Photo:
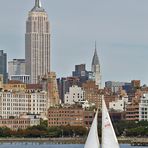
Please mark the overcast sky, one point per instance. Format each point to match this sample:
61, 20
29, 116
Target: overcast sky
120, 28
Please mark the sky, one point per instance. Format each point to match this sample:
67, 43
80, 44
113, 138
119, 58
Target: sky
120, 28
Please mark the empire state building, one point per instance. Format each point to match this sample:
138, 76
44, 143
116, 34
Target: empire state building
37, 43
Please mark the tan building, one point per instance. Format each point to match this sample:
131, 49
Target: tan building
132, 110
31, 88
136, 83
53, 94
37, 43
91, 93
1, 81
19, 123
14, 85
69, 116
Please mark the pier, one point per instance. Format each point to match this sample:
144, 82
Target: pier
73, 140
140, 142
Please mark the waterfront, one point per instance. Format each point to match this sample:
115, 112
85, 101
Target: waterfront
47, 145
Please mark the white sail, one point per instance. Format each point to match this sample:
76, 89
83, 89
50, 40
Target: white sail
92, 139
109, 139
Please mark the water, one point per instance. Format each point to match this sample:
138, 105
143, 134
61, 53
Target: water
47, 145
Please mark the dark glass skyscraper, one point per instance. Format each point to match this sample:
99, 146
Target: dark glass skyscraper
3, 65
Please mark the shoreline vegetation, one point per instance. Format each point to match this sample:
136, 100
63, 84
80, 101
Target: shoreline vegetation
68, 140
126, 131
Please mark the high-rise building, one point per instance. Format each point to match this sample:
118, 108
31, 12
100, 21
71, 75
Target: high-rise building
91, 93
53, 94
37, 43
81, 73
16, 67
3, 65
114, 86
95, 68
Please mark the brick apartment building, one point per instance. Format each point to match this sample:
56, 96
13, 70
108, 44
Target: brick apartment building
69, 116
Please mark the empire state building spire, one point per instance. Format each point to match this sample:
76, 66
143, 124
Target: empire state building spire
38, 6
38, 3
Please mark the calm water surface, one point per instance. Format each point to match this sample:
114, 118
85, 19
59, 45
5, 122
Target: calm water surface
46, 145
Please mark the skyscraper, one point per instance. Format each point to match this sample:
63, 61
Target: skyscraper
37, 43
81, 73
16, 67
95, 68
3, 66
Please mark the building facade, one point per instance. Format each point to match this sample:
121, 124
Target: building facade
65, 83
75, 94
22, 78
16, 103
19, 123
119, 104
3, 66
136, 83
114, 86
143, 108
69, 116
1, 81
81, 73
132, 110
16, 67
91, 93
53, 93
14, 86
37, 43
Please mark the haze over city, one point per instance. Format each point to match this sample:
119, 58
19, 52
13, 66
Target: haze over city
74, 72
119, 27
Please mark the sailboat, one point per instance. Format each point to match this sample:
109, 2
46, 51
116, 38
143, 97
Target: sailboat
109, 139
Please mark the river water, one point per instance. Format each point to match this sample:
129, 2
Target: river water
47, 145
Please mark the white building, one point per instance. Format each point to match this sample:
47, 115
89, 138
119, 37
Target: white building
15, 104
75, 94
23, 78
143, 108
16, 67
119, 104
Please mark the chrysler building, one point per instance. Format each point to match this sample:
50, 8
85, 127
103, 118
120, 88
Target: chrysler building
95, 68
37, 43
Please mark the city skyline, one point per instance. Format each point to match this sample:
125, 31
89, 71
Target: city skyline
120, 29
